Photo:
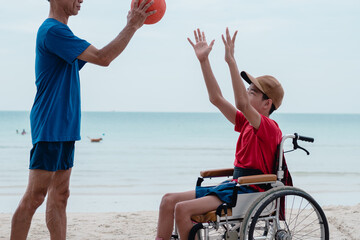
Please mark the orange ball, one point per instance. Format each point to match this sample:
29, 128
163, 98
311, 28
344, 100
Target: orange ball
159, 6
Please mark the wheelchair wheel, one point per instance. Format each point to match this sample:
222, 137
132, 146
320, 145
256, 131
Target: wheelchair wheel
195, 232
285, 213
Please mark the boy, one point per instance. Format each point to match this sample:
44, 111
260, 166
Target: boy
256, 147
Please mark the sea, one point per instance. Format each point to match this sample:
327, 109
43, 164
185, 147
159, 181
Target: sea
144, 155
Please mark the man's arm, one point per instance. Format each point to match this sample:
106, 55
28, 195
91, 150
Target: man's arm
242, 101
135, 19
202, 51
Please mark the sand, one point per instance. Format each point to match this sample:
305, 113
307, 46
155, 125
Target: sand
344, 223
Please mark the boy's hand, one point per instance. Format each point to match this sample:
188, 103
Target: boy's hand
202, 49
229, 46
137, 15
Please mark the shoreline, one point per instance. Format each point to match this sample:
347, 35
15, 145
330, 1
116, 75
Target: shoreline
343, 224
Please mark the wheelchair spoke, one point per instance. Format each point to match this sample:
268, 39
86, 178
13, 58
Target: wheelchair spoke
303, 223
298, 214
306, 236
309, 224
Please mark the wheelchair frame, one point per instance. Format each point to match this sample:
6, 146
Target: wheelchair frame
281, 213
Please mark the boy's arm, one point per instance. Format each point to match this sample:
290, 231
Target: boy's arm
242, 101
202, 51
135, 19
215, 95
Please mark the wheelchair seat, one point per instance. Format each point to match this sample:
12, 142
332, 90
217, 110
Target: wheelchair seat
209, 216
243, 200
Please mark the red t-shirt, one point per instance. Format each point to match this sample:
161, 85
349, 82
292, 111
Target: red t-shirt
256, 149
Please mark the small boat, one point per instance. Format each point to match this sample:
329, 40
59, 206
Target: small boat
95, 139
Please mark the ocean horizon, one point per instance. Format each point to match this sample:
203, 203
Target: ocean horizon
143, 155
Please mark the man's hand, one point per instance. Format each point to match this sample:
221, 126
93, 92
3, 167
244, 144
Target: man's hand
202, 49
229, 46
137, 15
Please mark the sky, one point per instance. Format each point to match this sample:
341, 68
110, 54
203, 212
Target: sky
311, 46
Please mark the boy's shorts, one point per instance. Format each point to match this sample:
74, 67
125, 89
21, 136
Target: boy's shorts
223, 191
52, 156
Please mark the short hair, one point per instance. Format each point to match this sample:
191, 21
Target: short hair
272, 109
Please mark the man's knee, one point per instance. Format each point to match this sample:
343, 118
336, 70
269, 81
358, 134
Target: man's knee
58, 197
31, 201
64, 196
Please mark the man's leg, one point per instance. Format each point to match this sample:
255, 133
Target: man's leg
58, 195
184, 211
39, 181
166, 212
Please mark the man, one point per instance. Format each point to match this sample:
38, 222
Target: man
55, 115
256, 147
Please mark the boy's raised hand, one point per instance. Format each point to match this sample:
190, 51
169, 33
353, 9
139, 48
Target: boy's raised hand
202, 49
229, 45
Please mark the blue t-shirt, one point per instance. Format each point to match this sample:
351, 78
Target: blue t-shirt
55, 115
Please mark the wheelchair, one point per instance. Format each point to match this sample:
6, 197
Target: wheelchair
280, 213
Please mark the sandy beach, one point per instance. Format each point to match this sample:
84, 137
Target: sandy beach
343, 221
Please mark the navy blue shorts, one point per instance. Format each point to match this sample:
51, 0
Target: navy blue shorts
223, 191
52, 156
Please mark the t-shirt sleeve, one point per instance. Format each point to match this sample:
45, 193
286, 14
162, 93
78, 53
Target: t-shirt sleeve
268, 129
81, 64
61, 41
239, 121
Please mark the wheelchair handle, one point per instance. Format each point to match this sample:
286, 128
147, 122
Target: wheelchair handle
303, 138
295, 137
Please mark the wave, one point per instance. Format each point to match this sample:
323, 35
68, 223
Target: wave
14, 147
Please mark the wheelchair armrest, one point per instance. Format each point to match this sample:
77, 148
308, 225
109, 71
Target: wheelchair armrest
257, 179
225, 172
